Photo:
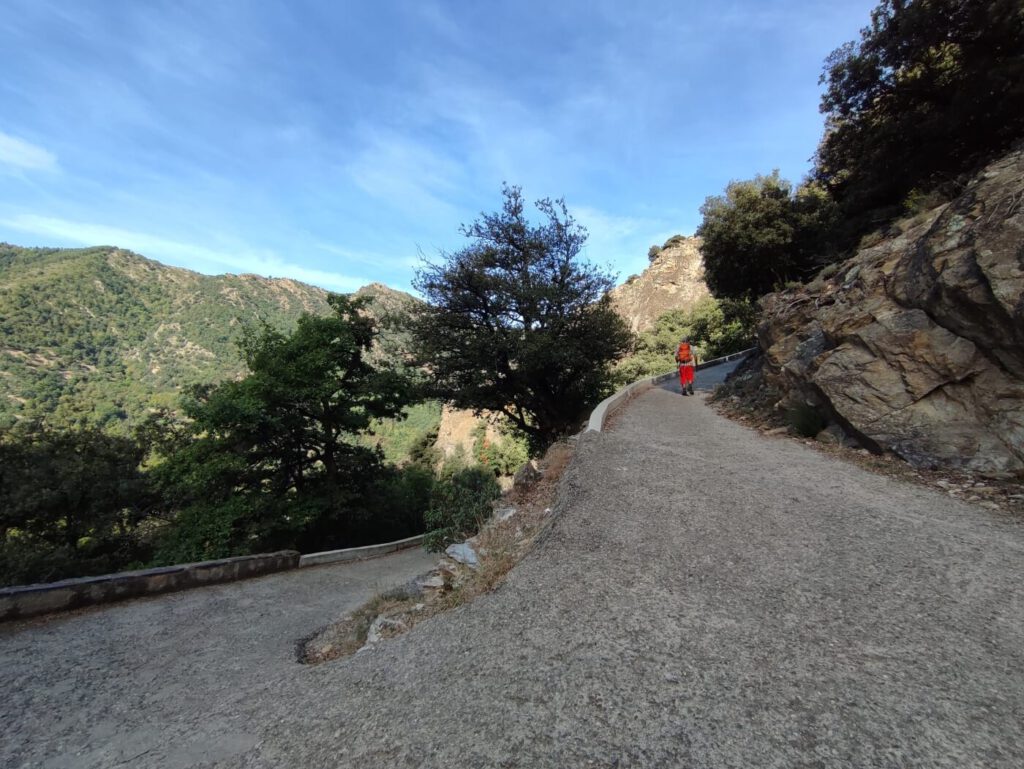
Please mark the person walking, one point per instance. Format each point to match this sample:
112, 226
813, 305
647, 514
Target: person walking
687, 361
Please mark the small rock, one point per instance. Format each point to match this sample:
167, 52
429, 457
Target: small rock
382, 623
463, 552
527, 475
777, 431
504, 513
434, 582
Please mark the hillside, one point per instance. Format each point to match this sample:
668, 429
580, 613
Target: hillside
915, 344
100, 335
673, 281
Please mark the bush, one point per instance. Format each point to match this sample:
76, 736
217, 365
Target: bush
806, 420
653, 251
459, 505
502, 456
674, 241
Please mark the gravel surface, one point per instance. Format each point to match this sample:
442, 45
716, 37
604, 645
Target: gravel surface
706, 597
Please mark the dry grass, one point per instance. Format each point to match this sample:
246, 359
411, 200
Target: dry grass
500, 545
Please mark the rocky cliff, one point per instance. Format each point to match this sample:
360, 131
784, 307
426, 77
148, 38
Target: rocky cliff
674, 280
915, 345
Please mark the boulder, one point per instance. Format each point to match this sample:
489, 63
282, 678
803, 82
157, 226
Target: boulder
463, 553
916, 345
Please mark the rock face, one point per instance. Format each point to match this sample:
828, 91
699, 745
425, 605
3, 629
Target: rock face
674, 280
916, 344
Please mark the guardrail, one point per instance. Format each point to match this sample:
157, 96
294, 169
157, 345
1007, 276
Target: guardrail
600, 414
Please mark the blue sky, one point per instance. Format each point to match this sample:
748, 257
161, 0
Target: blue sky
334, 142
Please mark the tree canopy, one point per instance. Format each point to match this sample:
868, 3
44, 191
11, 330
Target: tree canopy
517, 323
274, 457
760, 234
931, 88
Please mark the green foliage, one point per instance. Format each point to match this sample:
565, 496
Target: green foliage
762, 233
931, 89
517, 324
502, 456
459, 505
653, 251
70, 504
715, 328
673, 241
805, 420
99, 336
408, 437
274, 460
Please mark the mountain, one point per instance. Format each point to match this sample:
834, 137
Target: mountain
673, 281
102, 335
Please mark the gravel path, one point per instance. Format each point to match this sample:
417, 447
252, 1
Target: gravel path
706, 597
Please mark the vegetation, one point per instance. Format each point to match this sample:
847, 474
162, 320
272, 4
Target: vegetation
931, 89
517, 324
71, 503
459, 504
271, 461
715, 328
762, 233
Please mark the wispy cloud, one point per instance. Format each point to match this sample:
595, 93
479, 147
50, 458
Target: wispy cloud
406, 174
25, 155
187, 254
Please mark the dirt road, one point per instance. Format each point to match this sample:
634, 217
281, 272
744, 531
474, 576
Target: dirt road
707, 597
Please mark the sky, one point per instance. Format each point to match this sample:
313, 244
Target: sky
340, 142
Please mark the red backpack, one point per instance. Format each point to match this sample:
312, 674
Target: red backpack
684, 354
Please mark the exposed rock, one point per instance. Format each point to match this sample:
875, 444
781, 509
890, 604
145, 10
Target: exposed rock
504, 513
464, 553
673, 281
381, 625
527, 475
917, 344
433, 582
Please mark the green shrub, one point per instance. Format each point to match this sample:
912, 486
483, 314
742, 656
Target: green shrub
459, 505
806, 420
674, 240
653, 252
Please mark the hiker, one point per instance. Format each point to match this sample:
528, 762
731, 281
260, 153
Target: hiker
687, 365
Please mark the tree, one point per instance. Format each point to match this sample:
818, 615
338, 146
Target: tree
274, 461
517, 323
932, 88
70, 504
761, 234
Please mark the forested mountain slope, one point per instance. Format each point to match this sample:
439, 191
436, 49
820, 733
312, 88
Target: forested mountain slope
101, 335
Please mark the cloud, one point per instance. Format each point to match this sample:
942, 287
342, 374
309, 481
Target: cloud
22, 154
406, 174
243, 260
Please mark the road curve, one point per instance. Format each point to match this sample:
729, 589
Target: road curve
706, 597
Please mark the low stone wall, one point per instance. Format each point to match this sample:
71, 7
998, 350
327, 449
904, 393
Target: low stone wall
359, 553
30, 600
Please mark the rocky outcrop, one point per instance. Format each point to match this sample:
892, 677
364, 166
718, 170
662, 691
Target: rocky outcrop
673, 281
915, 345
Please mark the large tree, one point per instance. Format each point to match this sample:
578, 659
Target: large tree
70, 504
761, 234
931, 88
274, 459
516, 322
